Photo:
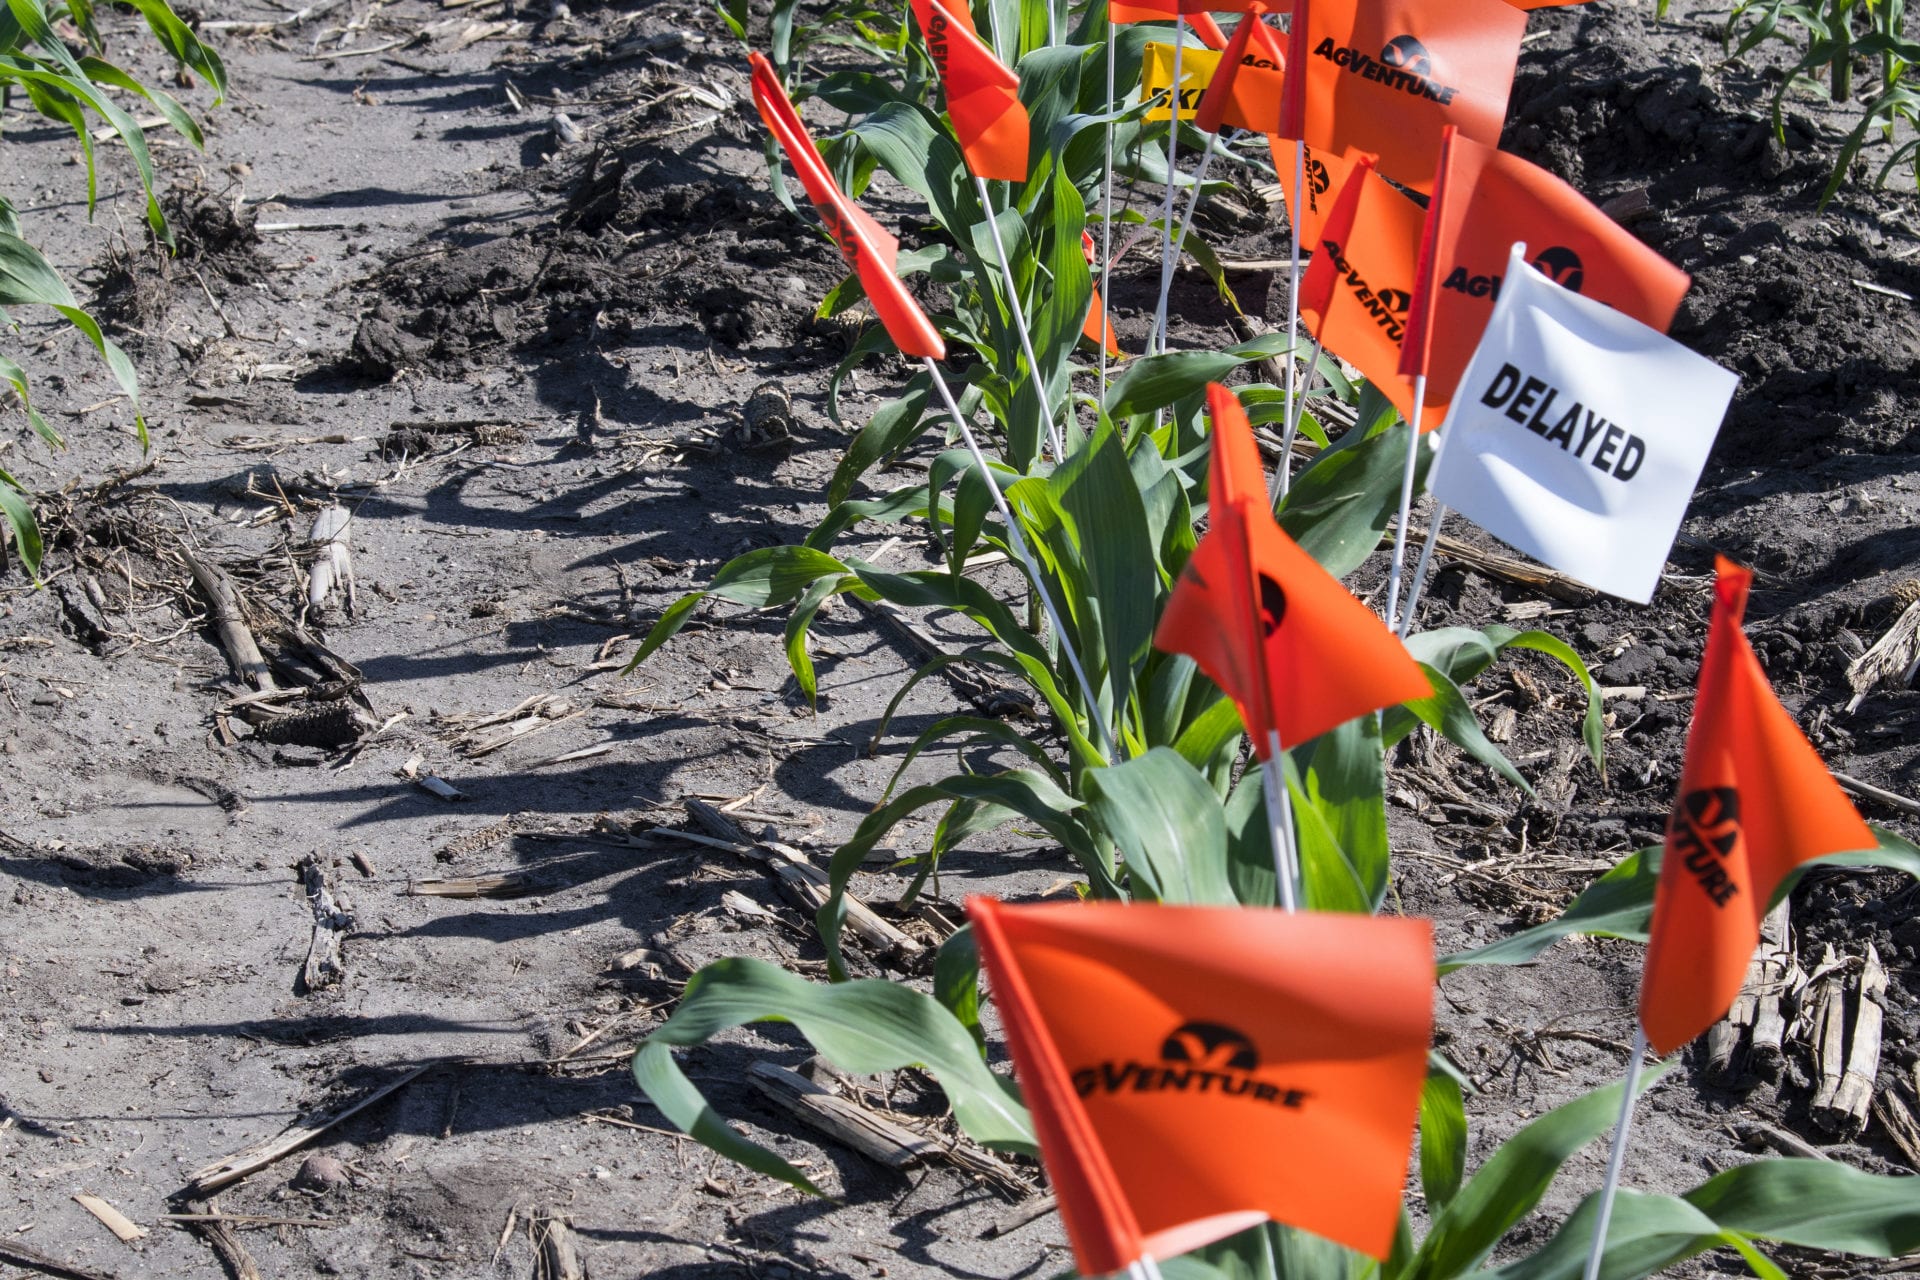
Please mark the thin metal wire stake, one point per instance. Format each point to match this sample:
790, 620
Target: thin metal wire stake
1420, 569
1273, 780
1180, 239
1617, 1158
1173, 173
1406, 504
1106, 221
1020, 322
1284, 476
1026, 558
1293, 305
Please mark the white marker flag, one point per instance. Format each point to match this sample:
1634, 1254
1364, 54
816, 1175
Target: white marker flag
1578, 434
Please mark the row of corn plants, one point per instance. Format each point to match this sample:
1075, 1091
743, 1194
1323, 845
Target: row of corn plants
53, 57
1159, 809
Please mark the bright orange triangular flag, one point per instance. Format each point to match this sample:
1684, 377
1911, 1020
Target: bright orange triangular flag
870, 252
1326, 176
1245, 91
1754, 803
1483, 201
983, 95
1098, 328
1386, 75
1194, 1070
1280, 636
1355, 296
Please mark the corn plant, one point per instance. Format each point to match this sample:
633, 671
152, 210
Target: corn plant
66, 88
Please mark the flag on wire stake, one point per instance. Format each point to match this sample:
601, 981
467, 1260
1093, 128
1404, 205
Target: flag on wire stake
1578, 434
1193, 1071
1755, 803
1483, 201
871, 252
1280, 636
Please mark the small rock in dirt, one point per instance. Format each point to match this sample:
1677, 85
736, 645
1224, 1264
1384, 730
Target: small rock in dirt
321, 1173
381, 350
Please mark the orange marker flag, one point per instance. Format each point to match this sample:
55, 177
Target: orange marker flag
1326, 177
869, 251
983, 95
1194, 1070
1098, 329
1290, 645
1386, 75
1755, 802
1483, 201
1356, 295
1246, 87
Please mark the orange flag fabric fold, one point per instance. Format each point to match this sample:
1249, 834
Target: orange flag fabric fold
1280, 636
1193, 1070
1326, 177
870, 251
1483, 201
1754, 803
1245, 91
1098, 329
1385, 76
1357, 294
983, 95
1195, 11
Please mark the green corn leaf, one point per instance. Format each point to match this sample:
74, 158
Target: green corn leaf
1507, 1187
1338, 508
977, 730
166, 104
1105, 519
1463, 653
17, 512
1167, 821
27, 277
1815, 1204
186, 47
799, 659
760, 578
1447, 712
1443, 1139
893, 426
1648, 1233
1342, 781
1620, 903
861, 1027
956, 981
1154, 382
1023, 793
16, 377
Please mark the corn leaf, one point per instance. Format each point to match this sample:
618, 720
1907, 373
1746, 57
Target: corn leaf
1167, 822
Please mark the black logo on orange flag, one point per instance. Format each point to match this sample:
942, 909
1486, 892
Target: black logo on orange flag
1404, 53
1273, 606
1562, 266
1196, 1057
1703, 831
1209, 1044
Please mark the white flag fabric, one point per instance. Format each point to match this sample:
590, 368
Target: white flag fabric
1578, 434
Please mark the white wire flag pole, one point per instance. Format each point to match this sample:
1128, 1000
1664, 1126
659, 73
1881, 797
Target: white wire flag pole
1273, 781
1026, 558
1020, 321
1617, 1158
1180, 239
1285, 475
1406, 505
1426, 558
1106, 216
1173, 174
1282, 478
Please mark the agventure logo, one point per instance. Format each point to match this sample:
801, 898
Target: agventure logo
1196, 1057
1318, 180
1273, 611
937, 41
1403, 64
1704, 828
1388, 307
1558, 264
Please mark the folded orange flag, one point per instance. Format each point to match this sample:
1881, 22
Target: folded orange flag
1326, 176
1246, 86
869, 251
1194, 1070
1755, 802
1386, 75
1098, 328
1483, 201
983, 96
1280, 636
1355, 297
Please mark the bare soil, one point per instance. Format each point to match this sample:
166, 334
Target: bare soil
521, 359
